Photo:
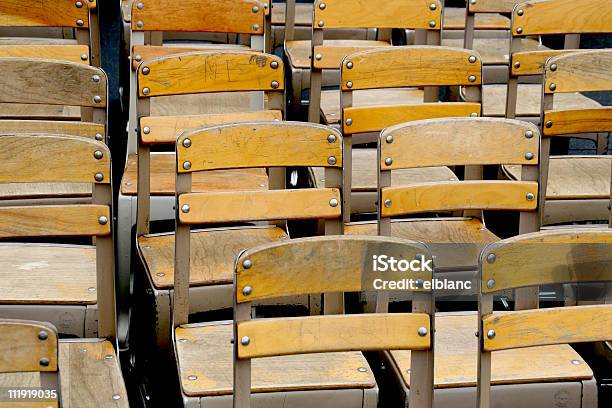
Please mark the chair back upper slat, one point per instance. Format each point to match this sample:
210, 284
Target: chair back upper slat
44, 13
27, 346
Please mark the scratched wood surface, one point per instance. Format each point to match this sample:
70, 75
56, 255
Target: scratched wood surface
43, 13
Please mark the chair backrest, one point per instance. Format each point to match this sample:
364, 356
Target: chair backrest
199, 72
544, 17
423, 16
402, 67
252, 145
40, 158
333, 264
547, 257
581, 71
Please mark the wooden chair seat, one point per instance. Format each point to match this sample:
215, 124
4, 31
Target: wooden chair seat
454, 242
204, 354
494, 51
330, 100
454, 19
528, 100
216, 251
163, 177
298, 52
47, 274
90, 376
303, 14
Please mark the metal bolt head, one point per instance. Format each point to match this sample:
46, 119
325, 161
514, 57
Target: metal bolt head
491, 334
549, 124
83, 57
247, 263
529, 134
146, 70
140, 6
331, 138
349, 121
349, 65
97, 99
318, 57
187, 165
491, 283
321, 23
333, 202
387, 203
78, 4
245, 340
274, 64
552, 86
362, 370
529, 156
422, 331
108, 357
419, 283
92, 289
255, 9
474, 114
331, 160
576, 362
187, 143
530, 196
146, 91
553, 67
274, 84
116, 397
185, 208
322, 6
146, 130
99, 177
44, 362
139, 24
43, 335
349, 84
389, 139
160, 274
433, 6
472, 59
388, 161
473, 1
472, 78
98, 137
95, 78
98, 154
138, 57
103, 220
517, 64
432, 24
247, 290
80, 22
255, 27
192, 377
520, 12
491, 258
519, 30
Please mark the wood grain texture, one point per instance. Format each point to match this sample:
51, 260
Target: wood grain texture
492, 6
148, 52
571, 255
375, 118
69, 53
204, 103
298, 204
209, 15
67, 270
44, 190
49, 158
259, 144
551, 17
540, 327
456, 350
396, 67
414, 14
212, 343
36, 81
332, 52
495, 51
53, 220
43, 13
454, 19
459, 141
580, 72
532, 62
463, 195
303, 14
569, 122
166, 129
323, 334
209, 71
318, 265
67, 128
21, 349
39, 112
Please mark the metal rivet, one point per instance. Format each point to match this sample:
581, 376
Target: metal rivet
322, 6
349, 84
185, 208
99, 177
549, 124
182, 340
519, 30
333, 202
331, 160
474, 114
473, 1
83, 57
389, 139
491, 334
530, 196
98, 154
552, 87
318, 57
255, 9
146, 70
491, 283
422, 331
471, 78
103, 220
388, 161
146, 130
92, 289
349, 65
78, 4
247, 290
529, 156
138, 58
140, 6
529, 134
349, 121
98, 136
187, 165
387, 203
274, 64
553, 67
43, 335
433, 6
576, 362
517, 65
432, 24
419, 283
80, 23
274, 84
97, 99
362, 370
95, 78
331, 138
160, 274
192, 377
255, 27
116, 397
245, 340
520, 12
108, 357
44, 362
491, 258
187, 143
247, 263
321, 23
139, 24
472, 59
146, 91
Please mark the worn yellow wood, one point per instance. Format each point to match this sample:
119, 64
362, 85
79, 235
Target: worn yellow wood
540, 327
69, 271
50, 158
68, 128
70, 53
410, 66
212, 343
323, 334
44, 190
165, 129
415, 14
303, 14
569, 122
332, 52
580, 72
39, 112
459, 141
209, 71
53, 220
209, 15
532, 62
456, 358
464, 195
454, 19
21, 349
556, 256
492, 6
260, 144
319, 265
43, 13
52, 82
375, 118
295, 204
147, 52
495, 51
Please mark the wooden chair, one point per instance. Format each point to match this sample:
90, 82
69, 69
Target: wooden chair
265, 348
577, 187
548, 257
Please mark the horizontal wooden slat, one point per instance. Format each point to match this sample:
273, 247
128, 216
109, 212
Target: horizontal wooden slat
551, 17
22, 346
491, 6
259, 205
51, 82
415, 14
260, 144
69, 53
323, 334
47, 158
68, 128
580, 72
321, 265
43, 13
332, 55
239, 16
462, 195
395, 67
532, 62
147, 52
459, 141
454, 19
209, 71
557, 256
165, 129
569, 122
540, 327
54, 221
376, 118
